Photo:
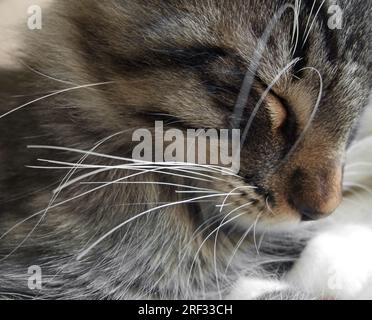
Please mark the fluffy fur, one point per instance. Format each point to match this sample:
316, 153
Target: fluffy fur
109, 68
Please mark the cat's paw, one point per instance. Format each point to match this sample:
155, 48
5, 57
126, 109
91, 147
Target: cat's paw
336, 264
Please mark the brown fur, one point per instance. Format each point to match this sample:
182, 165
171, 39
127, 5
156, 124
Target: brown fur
182, 62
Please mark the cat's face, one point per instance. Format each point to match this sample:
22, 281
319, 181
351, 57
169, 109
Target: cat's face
188, 61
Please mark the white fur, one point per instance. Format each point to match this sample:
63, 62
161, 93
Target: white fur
337, 264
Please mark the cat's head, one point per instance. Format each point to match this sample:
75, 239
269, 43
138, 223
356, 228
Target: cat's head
186, 61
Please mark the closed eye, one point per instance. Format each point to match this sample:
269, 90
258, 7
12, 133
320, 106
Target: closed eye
283, 119
277, 110
194, 56
275, 106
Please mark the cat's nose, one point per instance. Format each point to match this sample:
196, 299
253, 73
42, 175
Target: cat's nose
307, 212
316, 195
313, 208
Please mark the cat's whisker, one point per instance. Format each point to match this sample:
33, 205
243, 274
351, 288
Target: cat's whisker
145, 169
152, 203
192, 191
46, 76
151, 170
215, 168
20, 223
240, 242
214, 231
219, 206
55, 195
215, 244
202, 228
231, 193
103, 168
155, 170
151, 183
120, 167
254, 233
51, 168
54, 94
312, 24
309, 18
106, 185
296, 26
113, 230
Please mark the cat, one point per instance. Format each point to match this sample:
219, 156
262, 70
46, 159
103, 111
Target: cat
97, 71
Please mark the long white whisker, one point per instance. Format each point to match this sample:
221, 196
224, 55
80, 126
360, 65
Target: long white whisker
312, 24
141, 172
309, 18
19, 223
202, 191
240, 242
204, 226
54, 94
215, 245
47, 76
231, 192
296, 26
208, 236
254, 232
152, 183
215, 168
106, 235
44, 212
126, 167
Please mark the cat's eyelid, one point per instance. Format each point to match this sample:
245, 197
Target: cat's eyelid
277, 110
275, 106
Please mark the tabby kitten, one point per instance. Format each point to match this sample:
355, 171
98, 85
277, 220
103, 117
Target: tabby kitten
99, 70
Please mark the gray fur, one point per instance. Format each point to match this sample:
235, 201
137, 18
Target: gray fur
131, 45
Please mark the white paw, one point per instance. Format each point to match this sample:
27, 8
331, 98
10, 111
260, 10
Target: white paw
337, 264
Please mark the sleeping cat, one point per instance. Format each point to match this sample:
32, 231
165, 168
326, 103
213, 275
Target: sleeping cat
73, 207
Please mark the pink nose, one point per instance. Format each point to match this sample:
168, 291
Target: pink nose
315, 196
